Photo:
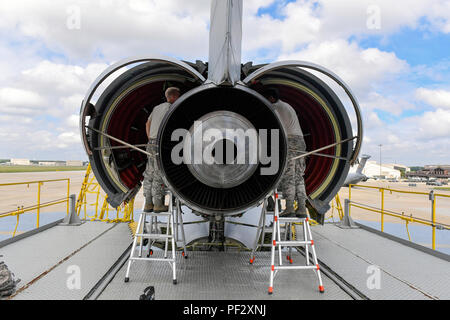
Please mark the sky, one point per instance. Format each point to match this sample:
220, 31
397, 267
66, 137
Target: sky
395, 55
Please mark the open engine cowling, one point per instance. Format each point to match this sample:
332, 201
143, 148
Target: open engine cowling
123, 108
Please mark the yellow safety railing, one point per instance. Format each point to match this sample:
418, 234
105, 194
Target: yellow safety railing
124, 213
336, 205
91, 189
407, 219
37, 207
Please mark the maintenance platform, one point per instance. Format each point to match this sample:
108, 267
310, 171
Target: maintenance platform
46, 258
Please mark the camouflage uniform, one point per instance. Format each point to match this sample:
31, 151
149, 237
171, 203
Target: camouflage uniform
149, 171
292, 184
158, 189
300, 166
287, 184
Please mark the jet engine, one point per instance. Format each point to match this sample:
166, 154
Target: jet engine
223, 96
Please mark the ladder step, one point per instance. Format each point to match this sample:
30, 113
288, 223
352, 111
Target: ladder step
292, 243
291, 219
160, 214
295, 267
152, 259
154, 236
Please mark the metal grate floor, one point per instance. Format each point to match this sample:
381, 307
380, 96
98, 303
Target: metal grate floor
405, 273
45, 261
220, 276
42, 262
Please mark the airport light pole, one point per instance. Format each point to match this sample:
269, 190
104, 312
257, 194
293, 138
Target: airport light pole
380, 145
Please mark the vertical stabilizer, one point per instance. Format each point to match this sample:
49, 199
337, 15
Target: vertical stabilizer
225, 41
362, 163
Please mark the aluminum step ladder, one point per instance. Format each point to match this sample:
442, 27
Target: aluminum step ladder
277, 243
153, 235
261, 230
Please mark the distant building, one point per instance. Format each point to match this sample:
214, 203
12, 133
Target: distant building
74, 163
396, 166
443, 167
20, 162
432, 171
47, 163
372, 169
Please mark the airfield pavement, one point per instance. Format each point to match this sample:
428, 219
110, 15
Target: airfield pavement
417, 205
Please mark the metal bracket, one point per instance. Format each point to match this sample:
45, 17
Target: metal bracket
347, 222
71, 219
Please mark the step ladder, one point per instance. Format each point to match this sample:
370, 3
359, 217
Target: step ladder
288, 241
261, 230
152, 233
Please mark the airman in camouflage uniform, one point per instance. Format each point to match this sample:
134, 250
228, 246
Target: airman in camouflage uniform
300, 166
148, 176
158, 187
292, 184
153, 183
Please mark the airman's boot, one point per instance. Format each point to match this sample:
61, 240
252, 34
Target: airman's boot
148, 206
301, 210
289, 211
159, 205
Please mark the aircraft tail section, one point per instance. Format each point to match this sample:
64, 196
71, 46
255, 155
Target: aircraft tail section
362, 163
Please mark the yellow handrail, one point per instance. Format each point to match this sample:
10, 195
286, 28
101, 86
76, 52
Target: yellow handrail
37, 207
336, 204
91, 186
431, 223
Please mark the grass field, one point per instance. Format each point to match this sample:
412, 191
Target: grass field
13, 169
442, 188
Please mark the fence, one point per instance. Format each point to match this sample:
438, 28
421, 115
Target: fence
91, 189
432, 197
39, 205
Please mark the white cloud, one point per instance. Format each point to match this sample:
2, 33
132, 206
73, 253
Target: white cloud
349, 17
68, 138
18, 119
19, 101
393, 105
73, 121
422, 139
372, 120
24, 112
316, 21
57, 78
298, 28
361, 69
116, 28
435, 98
434, 124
